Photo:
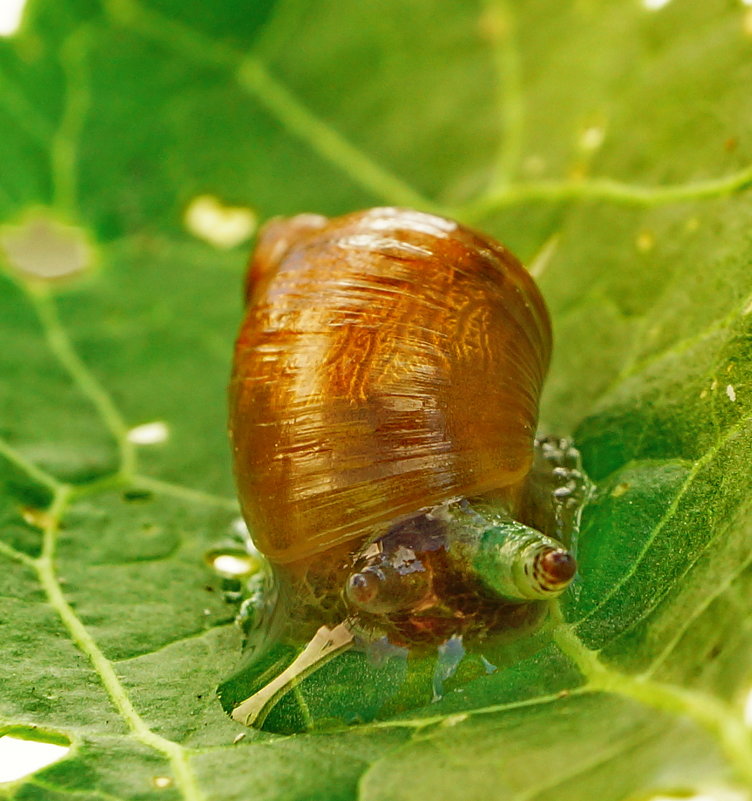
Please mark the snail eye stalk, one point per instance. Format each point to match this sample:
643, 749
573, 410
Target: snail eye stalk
519, 563
382, 588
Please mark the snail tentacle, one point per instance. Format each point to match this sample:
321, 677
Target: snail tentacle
514, 561
519, 563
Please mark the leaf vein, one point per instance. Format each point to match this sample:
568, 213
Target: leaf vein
252, 76
80, 636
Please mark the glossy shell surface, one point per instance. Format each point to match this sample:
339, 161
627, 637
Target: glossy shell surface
389, 360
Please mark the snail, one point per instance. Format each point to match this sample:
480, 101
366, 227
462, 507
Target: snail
383, 412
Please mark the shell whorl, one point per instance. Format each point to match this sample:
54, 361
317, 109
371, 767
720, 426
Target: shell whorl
389, 360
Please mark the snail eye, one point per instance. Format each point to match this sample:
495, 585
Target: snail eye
385, 589
363, 589
555, 569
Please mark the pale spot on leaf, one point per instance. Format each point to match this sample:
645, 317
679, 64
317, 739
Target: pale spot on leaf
534, 166
592, 137
748, 709
39, 518
645, 241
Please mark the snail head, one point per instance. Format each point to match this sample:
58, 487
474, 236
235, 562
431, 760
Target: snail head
394, 576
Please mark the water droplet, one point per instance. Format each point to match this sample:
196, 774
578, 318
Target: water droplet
489, 667
149, 433
222, 226
232, 563
654, 5
450, 654
11, 14
43, 247
19, 757
160, 782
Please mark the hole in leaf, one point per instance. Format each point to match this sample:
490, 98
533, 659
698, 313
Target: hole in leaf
149, 433
43, 247
11, 15
21, 757
222, 226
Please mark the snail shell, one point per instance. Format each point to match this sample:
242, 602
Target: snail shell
389, 361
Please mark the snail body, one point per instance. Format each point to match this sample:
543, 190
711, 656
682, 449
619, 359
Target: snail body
383, 410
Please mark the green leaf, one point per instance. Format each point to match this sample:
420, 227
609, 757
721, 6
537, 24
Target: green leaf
608, 144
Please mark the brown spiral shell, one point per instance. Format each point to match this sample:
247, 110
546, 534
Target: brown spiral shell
389, 360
